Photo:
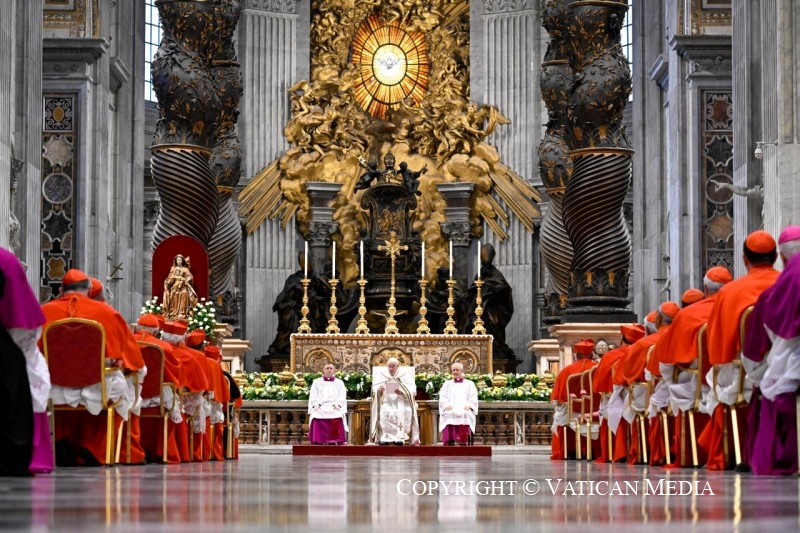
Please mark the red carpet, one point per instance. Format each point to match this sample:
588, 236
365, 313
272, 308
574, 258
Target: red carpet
392, 451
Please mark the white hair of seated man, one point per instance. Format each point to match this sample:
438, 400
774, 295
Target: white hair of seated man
172, 338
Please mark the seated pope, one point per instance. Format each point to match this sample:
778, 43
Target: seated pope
394, 411
327, 409
458, 408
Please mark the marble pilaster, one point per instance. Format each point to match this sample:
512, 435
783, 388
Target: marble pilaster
27, 140
7, 26
507, 44
650, 159
776, 23
273, 55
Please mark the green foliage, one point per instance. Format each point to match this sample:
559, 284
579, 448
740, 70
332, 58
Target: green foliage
267, 386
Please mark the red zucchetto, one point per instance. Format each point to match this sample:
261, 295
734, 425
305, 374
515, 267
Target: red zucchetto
760, 242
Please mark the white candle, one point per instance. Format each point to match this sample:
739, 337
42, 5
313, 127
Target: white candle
361, 270
451, 259
333, 262
305, 261
423, 260
479, 259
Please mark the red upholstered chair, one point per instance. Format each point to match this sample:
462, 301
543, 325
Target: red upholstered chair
153, 387
75, 350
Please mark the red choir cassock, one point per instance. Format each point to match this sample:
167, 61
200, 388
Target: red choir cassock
655, 430
583, 351
602, 381
151, 428
724, 343
81, 429
678, 346
213, 447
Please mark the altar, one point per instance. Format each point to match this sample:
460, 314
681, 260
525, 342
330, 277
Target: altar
360, 352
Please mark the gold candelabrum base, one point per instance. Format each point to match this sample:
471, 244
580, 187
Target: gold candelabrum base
450, 325
305, 325
422, 327
333, 324
391, 323
478, 329
362, 327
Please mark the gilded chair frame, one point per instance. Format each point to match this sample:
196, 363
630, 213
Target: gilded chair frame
589, 406
574, 410
732, 409
698, 397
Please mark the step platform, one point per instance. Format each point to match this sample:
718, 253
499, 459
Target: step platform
351, 450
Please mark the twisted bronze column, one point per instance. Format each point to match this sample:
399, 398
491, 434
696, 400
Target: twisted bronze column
601, 159
226, 159
188, 107
555, 164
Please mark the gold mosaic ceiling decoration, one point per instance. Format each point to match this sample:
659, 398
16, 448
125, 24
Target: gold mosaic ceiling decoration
392, 65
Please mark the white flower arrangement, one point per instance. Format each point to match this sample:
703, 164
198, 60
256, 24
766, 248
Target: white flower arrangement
203, 318
152, 306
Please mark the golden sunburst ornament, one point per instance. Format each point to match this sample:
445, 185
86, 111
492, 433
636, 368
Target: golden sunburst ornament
392, 63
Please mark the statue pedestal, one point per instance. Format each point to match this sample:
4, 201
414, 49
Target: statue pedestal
568, 334
232, 349
546, 351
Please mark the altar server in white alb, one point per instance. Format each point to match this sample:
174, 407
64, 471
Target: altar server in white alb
327, 409
394, 411
458, 408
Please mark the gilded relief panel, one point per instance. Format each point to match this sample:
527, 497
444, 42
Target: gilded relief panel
71, 19
699, 17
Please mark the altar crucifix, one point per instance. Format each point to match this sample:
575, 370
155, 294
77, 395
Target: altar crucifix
392, 249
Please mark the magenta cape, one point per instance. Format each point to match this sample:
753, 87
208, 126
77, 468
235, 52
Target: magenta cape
19, 307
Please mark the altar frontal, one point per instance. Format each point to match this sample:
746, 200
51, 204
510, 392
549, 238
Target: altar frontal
359, 353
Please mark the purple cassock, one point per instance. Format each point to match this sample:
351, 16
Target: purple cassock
774, 328
327, 409
25, 383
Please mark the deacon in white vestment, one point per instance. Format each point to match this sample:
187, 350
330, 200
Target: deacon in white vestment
327, 409
394, 411
458, 408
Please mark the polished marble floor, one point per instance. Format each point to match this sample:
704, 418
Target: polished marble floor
281, 492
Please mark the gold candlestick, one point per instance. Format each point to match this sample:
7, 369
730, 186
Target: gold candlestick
450, 325
392, 249
362, 327
305, 325
333, 324
422, 327
478, 329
